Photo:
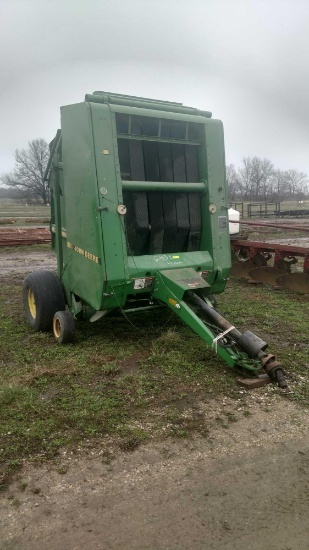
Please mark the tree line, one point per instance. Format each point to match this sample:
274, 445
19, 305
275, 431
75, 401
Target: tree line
258, 180
255, 180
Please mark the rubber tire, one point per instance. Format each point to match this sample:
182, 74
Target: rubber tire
63, 327
48, 296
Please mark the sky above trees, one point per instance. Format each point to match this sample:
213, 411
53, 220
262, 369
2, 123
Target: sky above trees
244, 60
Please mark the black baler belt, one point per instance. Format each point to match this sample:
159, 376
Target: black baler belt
165, 161
183, 221
151, 161
191, 163
136, 160
170, 222
195, 221
137, 222
179, 163
142, 221
156, 219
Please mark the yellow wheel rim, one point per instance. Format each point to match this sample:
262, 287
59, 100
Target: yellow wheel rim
31, 303
57, 327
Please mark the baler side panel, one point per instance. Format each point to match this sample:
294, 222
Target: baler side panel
57, 221
215, 235
85, 274
113, 224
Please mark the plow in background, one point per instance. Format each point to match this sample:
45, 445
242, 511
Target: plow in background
280, 265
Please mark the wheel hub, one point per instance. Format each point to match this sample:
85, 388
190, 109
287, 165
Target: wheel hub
57, 327
31, 303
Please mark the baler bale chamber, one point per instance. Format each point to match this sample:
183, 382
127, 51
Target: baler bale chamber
139, 219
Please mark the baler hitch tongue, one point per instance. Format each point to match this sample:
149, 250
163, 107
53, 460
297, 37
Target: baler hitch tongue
251, 344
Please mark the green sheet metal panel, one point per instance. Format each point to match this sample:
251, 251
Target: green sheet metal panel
140, 266
110, 200
84, 273
215, 236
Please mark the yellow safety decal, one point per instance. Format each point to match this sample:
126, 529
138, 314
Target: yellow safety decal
175, 257
84, 253
172, 301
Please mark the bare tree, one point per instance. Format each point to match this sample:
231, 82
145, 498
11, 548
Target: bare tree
257, 180
262, 171
28, 174
278, 185
245, 178
232, 181
255, 176
297, 183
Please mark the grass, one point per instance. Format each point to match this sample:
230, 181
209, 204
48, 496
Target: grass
130, 383
105, 384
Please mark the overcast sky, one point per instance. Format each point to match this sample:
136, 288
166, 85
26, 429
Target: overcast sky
244, 60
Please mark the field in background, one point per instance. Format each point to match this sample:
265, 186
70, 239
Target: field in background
14, 212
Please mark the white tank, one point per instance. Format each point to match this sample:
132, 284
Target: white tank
234, 215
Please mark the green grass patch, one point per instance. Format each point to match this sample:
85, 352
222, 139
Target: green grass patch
131, 382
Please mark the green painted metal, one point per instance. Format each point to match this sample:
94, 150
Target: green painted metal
170, 288
89, 189
141, 102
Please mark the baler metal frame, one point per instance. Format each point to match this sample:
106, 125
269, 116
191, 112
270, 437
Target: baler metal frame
120, 237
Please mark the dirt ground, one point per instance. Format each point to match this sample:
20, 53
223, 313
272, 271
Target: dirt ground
244, 487
19, 263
